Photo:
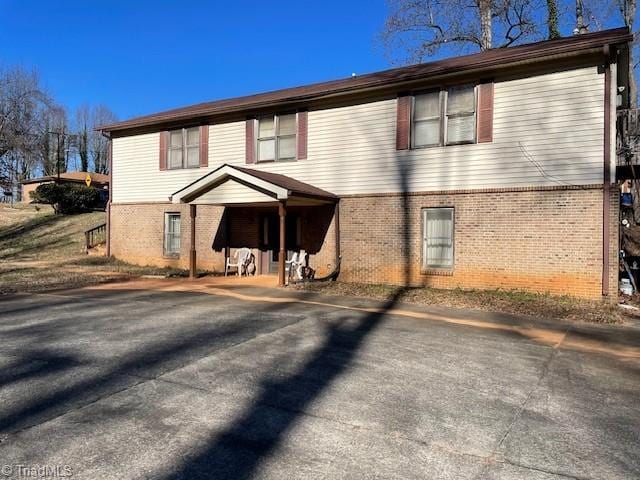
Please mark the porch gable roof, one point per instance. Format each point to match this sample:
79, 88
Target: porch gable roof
275, 185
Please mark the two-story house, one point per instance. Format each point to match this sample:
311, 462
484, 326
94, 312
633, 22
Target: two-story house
492, 170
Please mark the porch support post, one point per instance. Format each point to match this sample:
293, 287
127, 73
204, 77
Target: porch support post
227, 235
192, 252
282, 211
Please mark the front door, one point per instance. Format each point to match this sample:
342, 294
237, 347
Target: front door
271, 239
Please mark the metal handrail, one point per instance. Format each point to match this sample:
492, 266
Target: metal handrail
95, 236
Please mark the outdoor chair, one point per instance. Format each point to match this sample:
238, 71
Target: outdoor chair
293, 266
240, 259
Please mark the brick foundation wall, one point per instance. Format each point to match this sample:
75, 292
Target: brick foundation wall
137, 232
545, 240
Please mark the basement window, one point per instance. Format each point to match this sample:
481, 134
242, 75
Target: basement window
437, 238
172, 234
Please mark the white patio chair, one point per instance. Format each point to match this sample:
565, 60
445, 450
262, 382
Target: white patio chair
240, 258
293, 267
289, 265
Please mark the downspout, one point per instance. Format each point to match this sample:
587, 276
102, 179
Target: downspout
336, 226
606, 215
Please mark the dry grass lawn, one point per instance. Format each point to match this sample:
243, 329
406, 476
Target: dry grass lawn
41, 251
512, 302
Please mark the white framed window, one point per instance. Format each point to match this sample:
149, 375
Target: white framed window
444, 117
277, 138
427, 119
172, 234
437, 238
184, 148
461, 115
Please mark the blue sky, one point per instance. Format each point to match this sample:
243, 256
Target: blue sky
143, 56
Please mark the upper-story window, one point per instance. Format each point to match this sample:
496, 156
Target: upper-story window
277, 138
184, 148
444, 117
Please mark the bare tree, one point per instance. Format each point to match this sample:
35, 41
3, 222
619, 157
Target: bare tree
83, 132
54, 145
581, 26
419, 28
552, 20
627, 9
22, 103
98, 143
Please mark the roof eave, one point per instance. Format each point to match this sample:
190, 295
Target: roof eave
477, 64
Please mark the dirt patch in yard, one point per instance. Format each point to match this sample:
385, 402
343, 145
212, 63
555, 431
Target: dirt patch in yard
500, 301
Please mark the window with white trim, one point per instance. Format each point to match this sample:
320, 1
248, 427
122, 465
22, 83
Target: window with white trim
184, 148
172, 234
444, 117
461, 115
427, 119
277, 138
437, 238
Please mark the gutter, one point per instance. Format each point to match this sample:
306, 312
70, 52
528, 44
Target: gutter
606, 187
490, 61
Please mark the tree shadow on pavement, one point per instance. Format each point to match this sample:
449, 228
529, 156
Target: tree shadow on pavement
237, 452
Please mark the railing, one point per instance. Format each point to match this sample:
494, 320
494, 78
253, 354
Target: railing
95, 236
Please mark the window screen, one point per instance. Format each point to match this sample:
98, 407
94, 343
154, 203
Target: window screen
438, 237
172, 234
277, 138
426, 120
184, 148
461, 115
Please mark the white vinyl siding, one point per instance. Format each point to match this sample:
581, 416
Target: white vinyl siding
547, 130
233, 192
172, 234
437, 237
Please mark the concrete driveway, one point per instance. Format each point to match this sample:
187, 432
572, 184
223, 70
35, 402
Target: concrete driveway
177, 380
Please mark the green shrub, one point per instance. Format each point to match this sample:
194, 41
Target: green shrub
67, 198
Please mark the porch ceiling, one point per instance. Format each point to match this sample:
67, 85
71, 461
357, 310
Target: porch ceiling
231, 185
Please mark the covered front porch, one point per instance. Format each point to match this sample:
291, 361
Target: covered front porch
269, 213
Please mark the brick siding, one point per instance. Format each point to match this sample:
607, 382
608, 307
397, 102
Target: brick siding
546, 240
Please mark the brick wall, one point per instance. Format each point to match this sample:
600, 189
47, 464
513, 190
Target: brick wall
546, 240
537, 240
137, 232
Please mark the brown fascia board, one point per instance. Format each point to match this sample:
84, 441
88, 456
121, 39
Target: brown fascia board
490, 61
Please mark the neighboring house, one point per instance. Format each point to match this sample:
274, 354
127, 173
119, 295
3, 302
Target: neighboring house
493, 170
98, 180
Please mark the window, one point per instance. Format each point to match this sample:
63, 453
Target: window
277, 138
437, 238
184, 148
426, 120
461, 115
172, 234
452, 111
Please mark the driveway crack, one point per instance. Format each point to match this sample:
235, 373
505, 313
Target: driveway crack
545, 370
